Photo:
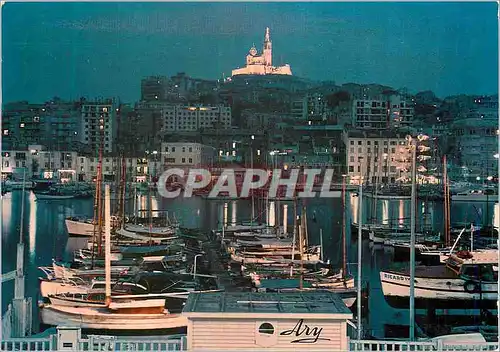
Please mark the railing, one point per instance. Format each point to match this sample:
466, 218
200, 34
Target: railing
28, 344
440, 346
99, 343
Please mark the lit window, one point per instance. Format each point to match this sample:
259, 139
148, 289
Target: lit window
21, 125
5, 132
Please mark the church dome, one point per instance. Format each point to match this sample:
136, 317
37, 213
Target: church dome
253, 51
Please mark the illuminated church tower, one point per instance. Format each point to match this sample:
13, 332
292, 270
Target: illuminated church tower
262, 64
267, 50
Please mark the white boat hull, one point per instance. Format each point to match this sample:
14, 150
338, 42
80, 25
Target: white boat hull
79, 228
103, 319
439, 288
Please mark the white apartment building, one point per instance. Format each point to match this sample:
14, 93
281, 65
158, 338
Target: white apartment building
186, 154
376, 156
383, 112
98, 118
136, 169
38, 162
192, 118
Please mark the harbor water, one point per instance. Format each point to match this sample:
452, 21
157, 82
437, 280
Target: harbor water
45, 234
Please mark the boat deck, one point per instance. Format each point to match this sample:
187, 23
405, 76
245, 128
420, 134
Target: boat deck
438, 271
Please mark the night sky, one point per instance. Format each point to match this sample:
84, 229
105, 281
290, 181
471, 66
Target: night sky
104, 49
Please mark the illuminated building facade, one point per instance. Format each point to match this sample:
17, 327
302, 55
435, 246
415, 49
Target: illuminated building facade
262, 64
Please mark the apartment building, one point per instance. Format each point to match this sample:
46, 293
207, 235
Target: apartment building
180, 118
384, 111
36, 161
186, 154
98, 124
376, 156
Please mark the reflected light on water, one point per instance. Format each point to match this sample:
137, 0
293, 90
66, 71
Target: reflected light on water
225, 219
285, 218
354, 208
233, 213
154, 207
143, 205
6, 213
272, 214
401, 213
32, 226
496, 215
385, 212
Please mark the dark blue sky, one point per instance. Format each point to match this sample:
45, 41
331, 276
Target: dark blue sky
104, 49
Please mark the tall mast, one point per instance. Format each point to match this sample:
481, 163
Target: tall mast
99, 202
301, 245
107, 252
446, 203
360, 248
344, 242
294, 239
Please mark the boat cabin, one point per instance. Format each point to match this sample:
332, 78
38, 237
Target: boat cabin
480, 266
315, 320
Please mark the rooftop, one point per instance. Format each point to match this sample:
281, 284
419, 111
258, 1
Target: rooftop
377, 134
317, 302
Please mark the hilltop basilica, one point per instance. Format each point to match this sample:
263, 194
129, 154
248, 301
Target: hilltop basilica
262, 64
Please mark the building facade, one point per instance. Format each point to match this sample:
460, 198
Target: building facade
192, 118
54, 124
385, 111
376, 156
185, 154
98, 125
262, 64
39, 163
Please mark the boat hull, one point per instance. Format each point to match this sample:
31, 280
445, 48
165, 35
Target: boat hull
102, 319
79, 228
439, 292
42, 196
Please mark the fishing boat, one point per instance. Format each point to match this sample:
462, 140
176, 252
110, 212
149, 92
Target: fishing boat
468, 280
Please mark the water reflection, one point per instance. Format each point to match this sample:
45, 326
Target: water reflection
32, 226
272, 214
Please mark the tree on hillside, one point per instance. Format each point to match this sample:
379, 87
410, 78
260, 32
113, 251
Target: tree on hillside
334, 100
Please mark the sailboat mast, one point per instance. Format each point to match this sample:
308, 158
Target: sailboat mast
446, 203
99, 201
360, 248
344, 242
123, 190
294, 239
107, 252
301, 246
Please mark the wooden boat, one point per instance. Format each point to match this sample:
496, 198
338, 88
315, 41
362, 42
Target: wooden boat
469, 280
117, 316
144, 236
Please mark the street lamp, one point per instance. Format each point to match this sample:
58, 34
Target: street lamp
195, 259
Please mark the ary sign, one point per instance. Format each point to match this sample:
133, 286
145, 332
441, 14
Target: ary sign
304, 333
